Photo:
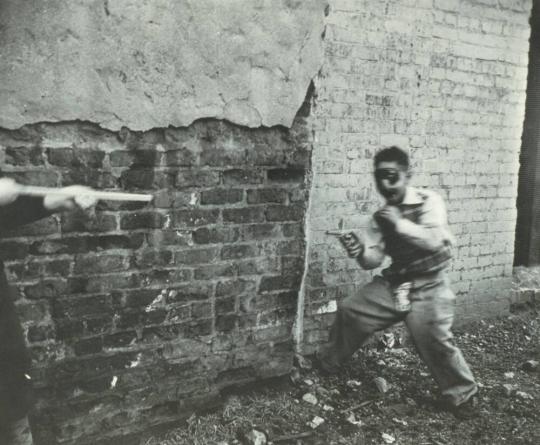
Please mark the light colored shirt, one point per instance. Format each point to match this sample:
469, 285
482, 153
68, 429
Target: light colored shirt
429, 233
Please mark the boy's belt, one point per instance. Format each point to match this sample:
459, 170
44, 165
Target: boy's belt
418, 280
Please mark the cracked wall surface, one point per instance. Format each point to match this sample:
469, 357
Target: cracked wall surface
153, 64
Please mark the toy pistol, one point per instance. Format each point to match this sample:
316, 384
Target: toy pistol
345, 237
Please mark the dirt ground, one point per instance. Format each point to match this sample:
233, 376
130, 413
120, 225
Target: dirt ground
354, 408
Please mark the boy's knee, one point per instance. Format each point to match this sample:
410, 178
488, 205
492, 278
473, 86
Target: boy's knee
16, 433
347, 305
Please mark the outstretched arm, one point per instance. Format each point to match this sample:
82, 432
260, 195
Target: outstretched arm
16, 210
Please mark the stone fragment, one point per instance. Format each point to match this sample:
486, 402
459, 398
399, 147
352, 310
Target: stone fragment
316, 422
353, 420
388, 438
388, 340
381, 384
524, 395
530, 365
310, 398
255, 437
509, 389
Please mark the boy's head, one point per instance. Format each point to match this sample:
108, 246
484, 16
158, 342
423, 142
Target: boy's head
392, 174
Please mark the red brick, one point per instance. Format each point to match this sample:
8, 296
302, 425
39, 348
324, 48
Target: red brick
286, 175
194, 217
260, 231
145, 178
285, 213
221, 196
234, 287
93, 264
211, 271
219, 157
195, 256
216, 235
24, 156
153, 258
39, 333
239, 251
279, 282
13, 250
88, 346
47, 288
190, 292
226, 323
69, 157
197, 178
244, 215
272, 195
180, 158
81, 222
137, 158
81, 307
238, 176
142, 220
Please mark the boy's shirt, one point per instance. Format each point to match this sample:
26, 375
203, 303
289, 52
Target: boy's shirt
421, 231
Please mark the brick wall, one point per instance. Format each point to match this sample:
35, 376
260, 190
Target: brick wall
446, 80
139, 313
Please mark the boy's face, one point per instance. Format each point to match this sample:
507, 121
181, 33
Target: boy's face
391, 179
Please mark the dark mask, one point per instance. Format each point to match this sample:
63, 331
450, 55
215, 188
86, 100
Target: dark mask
390, 174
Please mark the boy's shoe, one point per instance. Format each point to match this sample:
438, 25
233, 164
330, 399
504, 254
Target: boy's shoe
467, 410
324, 366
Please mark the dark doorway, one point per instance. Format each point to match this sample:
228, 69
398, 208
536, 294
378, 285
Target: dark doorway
527, 246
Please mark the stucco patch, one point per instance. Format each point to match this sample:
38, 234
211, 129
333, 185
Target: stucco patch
145, 64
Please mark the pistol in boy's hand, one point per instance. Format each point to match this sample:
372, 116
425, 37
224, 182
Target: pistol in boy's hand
350, 241
352, 244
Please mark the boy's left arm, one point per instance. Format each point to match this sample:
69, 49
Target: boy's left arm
431, 232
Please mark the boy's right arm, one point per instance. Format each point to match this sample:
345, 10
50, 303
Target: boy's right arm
367, 249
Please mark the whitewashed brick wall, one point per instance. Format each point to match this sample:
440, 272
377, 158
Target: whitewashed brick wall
445, 80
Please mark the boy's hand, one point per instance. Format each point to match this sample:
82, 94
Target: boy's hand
388, 215
352, 244
76, 198
9, 191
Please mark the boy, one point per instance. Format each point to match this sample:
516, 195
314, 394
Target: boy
15, 386
412, 229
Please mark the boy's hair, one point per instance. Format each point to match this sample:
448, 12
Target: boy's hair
392, 154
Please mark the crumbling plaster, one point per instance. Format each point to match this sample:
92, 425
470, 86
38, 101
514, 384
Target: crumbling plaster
157, 63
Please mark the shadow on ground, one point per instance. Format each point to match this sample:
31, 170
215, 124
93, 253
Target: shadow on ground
385, 395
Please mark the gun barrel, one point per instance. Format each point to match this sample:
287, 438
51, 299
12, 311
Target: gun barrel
100, 195
337, 232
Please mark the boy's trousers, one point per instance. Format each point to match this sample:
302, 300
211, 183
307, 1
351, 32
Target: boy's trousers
429, 322
15, 432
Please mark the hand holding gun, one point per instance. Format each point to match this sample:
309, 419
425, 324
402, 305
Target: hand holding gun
350, 241
65, 198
